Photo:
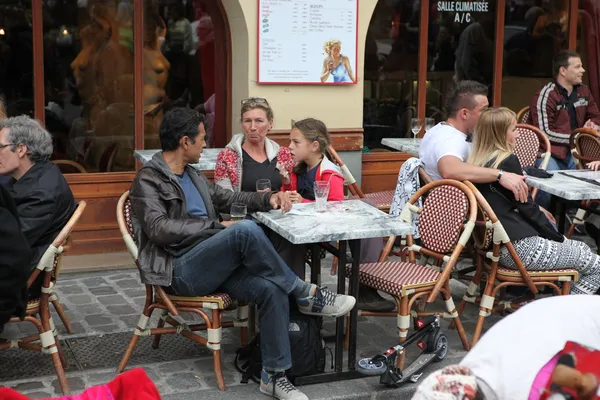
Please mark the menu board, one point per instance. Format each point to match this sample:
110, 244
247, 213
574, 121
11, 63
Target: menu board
307, 41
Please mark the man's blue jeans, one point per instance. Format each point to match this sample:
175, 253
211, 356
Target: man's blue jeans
555, 164
242, 262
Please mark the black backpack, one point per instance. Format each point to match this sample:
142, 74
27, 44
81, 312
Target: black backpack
307, 348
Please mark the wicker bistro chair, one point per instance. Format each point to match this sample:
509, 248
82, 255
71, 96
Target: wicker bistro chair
38, 309
489, 236
532, 144
585, 147
524, 116
445, 224
172, 306
382, 200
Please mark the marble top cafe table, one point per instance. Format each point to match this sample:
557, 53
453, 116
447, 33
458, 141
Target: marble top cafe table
565, 186
408, 145
346, 222
208, 159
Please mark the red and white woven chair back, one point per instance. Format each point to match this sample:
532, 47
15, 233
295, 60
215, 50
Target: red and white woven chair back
442, 218
586, 143
523, 116
125, 221
483, 236
527, 146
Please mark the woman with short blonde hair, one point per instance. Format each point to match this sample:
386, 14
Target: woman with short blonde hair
536, 240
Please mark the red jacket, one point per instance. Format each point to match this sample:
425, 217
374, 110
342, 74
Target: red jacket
327, 171
549, 112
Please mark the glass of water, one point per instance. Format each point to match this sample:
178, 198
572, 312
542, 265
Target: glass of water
321, 194
263, 185
429, 123
238, 212
416, 125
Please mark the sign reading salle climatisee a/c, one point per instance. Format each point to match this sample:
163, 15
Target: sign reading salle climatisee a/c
463, 9
307, 41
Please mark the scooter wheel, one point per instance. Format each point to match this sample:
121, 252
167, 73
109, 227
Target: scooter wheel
440, 341
367, 366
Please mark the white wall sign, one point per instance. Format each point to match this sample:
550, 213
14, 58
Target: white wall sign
307, 41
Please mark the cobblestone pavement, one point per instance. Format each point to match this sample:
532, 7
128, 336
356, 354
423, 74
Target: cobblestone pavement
104, 307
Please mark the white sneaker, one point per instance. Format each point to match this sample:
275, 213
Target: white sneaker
279, 387
324, 302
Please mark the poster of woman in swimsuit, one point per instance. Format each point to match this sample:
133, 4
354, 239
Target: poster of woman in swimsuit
336, 66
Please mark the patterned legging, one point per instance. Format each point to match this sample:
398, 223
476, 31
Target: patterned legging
539, 254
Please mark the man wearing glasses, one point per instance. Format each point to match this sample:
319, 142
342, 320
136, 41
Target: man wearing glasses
40, 192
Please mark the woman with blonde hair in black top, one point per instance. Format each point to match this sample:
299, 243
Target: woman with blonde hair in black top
536, 241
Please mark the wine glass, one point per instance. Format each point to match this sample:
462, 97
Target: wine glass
429, 123
238, 212
263, 185
416, 125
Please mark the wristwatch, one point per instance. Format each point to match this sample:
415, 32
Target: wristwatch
500, 172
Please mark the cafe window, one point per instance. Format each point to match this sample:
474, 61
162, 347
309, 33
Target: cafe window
390, 71
460, 46
181, 65
16, 57
534, 33
588, 44
89, 89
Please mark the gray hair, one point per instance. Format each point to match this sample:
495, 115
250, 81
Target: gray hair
29, 132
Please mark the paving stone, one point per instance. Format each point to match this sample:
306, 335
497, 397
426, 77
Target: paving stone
128, 283
94, 282
34, 385
135, 292
112, 300
80, 299
100, 378
152, 374
170, 367
108, 328
89, 309
76, 385
102, 290
40, 395
184, 381
71, 289
123, 276
121, 310
95, 320
130, 320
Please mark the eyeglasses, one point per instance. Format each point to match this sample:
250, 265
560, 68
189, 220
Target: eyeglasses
258, 100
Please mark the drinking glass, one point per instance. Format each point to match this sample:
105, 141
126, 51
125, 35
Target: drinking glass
263, 185
416, 125
321, 194
238, 212
429, 123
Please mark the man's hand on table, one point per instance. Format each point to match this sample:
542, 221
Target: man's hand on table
516, 184
227, 224
594, 165
281, 200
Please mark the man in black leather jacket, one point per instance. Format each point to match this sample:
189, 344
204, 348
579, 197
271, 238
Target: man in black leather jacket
14, 262
43, 198
184, 246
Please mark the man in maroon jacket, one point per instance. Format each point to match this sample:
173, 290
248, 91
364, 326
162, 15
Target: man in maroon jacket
563, 105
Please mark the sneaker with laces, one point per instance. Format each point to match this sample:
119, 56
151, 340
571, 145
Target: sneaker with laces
324, 302
278, 386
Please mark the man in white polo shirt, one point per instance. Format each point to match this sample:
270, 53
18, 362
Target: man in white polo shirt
445, 148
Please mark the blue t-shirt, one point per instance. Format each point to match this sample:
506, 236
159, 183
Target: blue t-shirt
193, 199
306, 181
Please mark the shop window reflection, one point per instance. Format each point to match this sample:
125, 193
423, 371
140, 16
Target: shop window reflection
534, 33
16, 57
88, 73
460, 46
588, 44
179, 63
391, 65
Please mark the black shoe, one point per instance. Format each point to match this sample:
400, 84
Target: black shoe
370, 300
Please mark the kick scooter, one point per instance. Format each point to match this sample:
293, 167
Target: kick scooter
428, 338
